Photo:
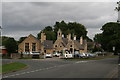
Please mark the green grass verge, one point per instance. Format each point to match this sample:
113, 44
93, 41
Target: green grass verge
11, 67
97, 58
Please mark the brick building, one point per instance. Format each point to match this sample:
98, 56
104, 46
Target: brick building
32, 44
69, 44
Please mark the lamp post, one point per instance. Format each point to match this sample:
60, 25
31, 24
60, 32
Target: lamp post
114, 49
118, 10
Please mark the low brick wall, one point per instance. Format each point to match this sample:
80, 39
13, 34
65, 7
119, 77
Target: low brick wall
17, 55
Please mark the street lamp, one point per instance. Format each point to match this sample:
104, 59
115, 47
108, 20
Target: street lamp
114, 49
118, 10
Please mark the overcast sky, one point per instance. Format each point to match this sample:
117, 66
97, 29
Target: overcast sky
23, 18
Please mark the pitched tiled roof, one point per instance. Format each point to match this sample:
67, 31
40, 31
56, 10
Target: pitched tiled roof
78, 44
48, 44
65, 40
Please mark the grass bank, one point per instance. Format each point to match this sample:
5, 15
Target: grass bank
12, 67
97, 58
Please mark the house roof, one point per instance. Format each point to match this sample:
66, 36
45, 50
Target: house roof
30, 36
48, 44
65, 41
78, 44
33, 37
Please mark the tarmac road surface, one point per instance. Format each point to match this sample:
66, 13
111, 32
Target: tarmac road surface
51, 68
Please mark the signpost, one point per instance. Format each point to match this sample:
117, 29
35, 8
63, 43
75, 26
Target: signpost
114, 49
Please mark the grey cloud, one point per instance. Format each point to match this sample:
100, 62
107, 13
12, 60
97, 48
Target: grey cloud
34, 16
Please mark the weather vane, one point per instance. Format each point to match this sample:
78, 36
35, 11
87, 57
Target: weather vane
118, 10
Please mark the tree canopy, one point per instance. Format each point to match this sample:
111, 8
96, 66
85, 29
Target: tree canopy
110, 37
21, 39
9, 43
71, 27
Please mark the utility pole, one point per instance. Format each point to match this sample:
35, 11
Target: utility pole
118, 10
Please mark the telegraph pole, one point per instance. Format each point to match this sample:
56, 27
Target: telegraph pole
118, 10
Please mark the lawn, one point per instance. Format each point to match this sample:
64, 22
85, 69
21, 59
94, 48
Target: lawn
11, 67
97, 58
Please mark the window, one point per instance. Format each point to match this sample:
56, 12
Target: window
26, 47
70, 45
55, 45
60, 46
45, 51
33, 46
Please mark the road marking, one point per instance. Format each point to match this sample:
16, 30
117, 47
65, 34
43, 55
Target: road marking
81, 61
42, 69
23, 73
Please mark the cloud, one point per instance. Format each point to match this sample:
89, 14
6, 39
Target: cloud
28, 17
60, 0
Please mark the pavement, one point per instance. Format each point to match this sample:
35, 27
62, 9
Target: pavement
56, 68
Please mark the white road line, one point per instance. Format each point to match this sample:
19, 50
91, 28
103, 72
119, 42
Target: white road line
34, 71
37, 70
23, 73
27, 72
17, 74
81, 61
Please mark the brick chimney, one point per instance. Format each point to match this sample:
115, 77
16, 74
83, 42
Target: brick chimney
74, 37
43, 37
81, 40
69, 37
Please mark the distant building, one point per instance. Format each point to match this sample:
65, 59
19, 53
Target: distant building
69, 44
46, 45
3, 50
32, 44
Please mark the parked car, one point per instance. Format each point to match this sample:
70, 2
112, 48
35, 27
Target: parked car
83, 55
90, 55
48, 55
66, 55
34, 52
56, 54
98, 53
31, 52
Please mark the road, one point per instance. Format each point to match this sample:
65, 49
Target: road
50, 68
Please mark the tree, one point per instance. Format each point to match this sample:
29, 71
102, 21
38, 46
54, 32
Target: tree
21, 39
72, 27
48, 28
10, 44
50, 34
98, 38
109, 37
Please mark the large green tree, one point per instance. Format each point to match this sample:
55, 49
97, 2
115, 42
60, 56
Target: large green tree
21, 39
110, 37
10, 44
71, 27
